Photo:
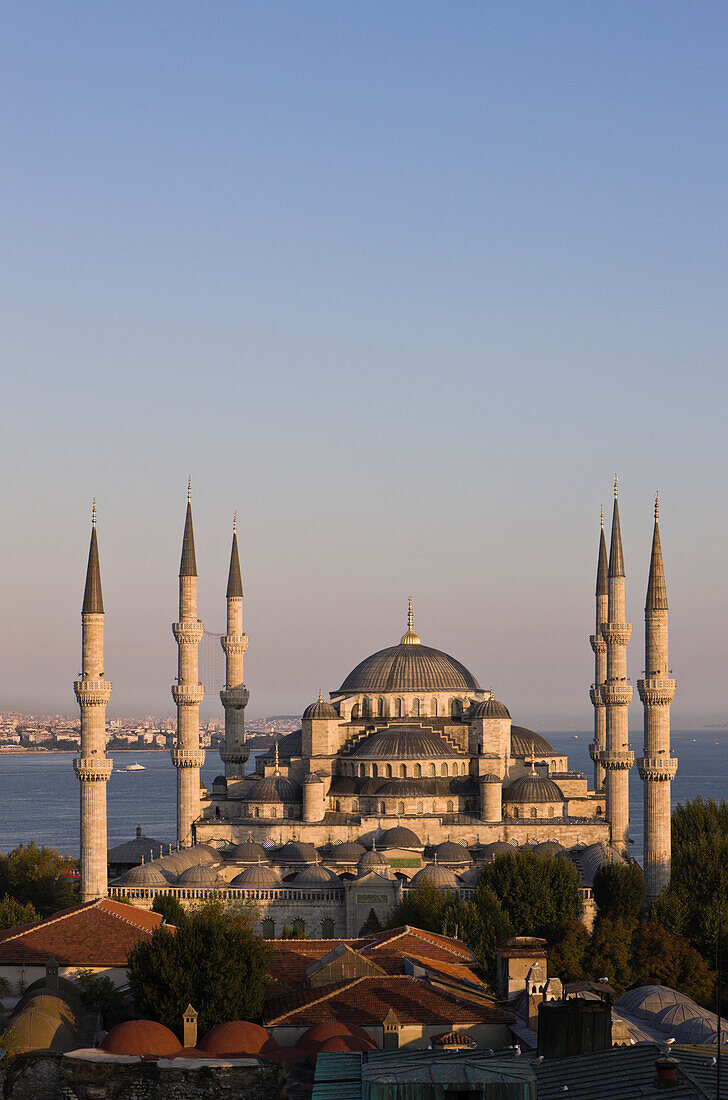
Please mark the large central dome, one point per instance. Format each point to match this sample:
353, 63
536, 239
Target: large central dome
410, 666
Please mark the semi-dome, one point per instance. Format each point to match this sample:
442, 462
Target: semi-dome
402, 788
200, 875
404, 743
400, 837
441, 877
145, 874
250, 852
491, 708
533, 788
322, 708
523, 741
258, 876
452, 852
141, 1037
315, 874
275, 789
348, 852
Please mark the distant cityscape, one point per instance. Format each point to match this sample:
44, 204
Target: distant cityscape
60, 733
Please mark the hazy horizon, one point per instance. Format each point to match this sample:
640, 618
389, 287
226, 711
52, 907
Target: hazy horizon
404, 284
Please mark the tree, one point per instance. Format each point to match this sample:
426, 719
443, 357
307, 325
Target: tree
538, 896
619, 891
213, 961
12, 913
661, 958
99, 994
423, 906
610, 954
39, 877
170, 908
484, 925
567, 957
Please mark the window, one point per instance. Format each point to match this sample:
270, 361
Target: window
418, 771
430, 769
365, 708
419, 807
515, 811
268, 929
416, 708
380, 708
375, 770
337, 806
433, 709
400, 808
299, 925
382, 808
355, 711
388, 771
450, 807
443, 769
398, 709
456, 708
403, 771
362, 770
551, 811
328, 929
533, 811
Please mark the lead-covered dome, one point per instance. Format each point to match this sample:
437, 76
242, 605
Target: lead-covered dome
320, 709
533, 788
404, 743
491, 708
276, 789
408, 667
523, 741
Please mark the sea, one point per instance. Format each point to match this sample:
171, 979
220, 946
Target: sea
40, 799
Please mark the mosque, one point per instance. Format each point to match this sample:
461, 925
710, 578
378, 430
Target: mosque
409, 771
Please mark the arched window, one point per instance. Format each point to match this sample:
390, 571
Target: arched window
551, 811
388, 771
515, 811
362, 770
456, 708
419, 808
380, 707
375, 770
299, 925
217, 811
382, 808
355, 806
433, 709
355, 711
328, 929
268, 928
398, 709
443, 769
403, 771
365, 708
337, 806
400, 808
450, 807
257, 811
533, 811
430, 769
418, 771
416, 708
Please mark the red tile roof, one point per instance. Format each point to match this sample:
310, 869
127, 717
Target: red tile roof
99, 933
419, 942
368, 1000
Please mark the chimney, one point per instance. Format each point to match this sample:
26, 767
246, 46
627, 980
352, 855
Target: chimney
666, 1067
52, 974
189, 1027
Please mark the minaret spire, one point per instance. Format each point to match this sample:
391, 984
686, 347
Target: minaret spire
656, 590
600, 660
234, 696
92, 767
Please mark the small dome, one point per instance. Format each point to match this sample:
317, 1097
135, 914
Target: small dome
404, 743
451, 852
549, 848
523, 741
258, 876
491, 708
237, 1037
313, 777
250, 852
146, 874
646, 1001
674, 1015
373, 861
296, 851
533, 788
439, 876
490, 778
347, 1044
315, 874
496, 848
275, 789
471, 876
331, 1029
203, 853
141, 1037
198, 876
400, 837
348, 852
697, 1031
321, 709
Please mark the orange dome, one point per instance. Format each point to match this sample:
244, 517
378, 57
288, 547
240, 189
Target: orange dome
141, 1037
237, 1037
347, 1044
333, 1029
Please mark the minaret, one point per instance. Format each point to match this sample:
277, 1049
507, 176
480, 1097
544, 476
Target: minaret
600, 664
657, 768
93, 768
235, 695
617, 757
187, 693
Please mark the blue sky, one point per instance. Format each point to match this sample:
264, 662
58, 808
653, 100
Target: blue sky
405, 284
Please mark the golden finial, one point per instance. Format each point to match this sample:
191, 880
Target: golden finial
235, 523
189, 490
616, 486
533, 758
93, 513
277, 771
410, 638
321, 695
410, 616
657, 506
602, 520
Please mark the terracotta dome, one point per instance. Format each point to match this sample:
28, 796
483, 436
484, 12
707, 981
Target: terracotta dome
237, 1037
347, 1044
141, 1037
331, 1029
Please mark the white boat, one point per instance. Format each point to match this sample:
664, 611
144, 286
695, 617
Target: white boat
135, 767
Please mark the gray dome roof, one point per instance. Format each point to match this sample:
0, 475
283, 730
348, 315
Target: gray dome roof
452, 852
676, 1014
257, 876
320, 709
275, 788
198, 876
490, 778
400, 837
647, 1000
410, 668
550, 848
313, 777
402, 788
288, 746
375, 859
522, 740
348, 852
533, 788
146, 874
497, 848
591, 858
316, 875
438, 876
698, 1031
472, 875
404, 743
250, 852
296, 851
491, 708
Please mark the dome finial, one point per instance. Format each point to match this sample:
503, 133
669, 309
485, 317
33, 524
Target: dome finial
533, 759
616, 486
602, 519
410, 616
93, 513
657, 506
277, 772
189, 490
410, 638
321, 695
235, 523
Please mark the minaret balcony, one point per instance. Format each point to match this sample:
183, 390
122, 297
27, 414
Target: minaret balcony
657, 769
238, 754
236, 697
595, 694
93, 769
596, 753
188, 695
617, 694
616, 760
656, 691
616, 633
188, 758
234, 645
188, 633
92, 693
597, 643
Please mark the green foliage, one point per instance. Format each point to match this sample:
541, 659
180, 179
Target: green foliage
423, 906
170, 908
538, 896
661, 958
484, 926
99, 994
213, 961
295, 933
35, 876
609, 954
13, 913
619, 891
568, 956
